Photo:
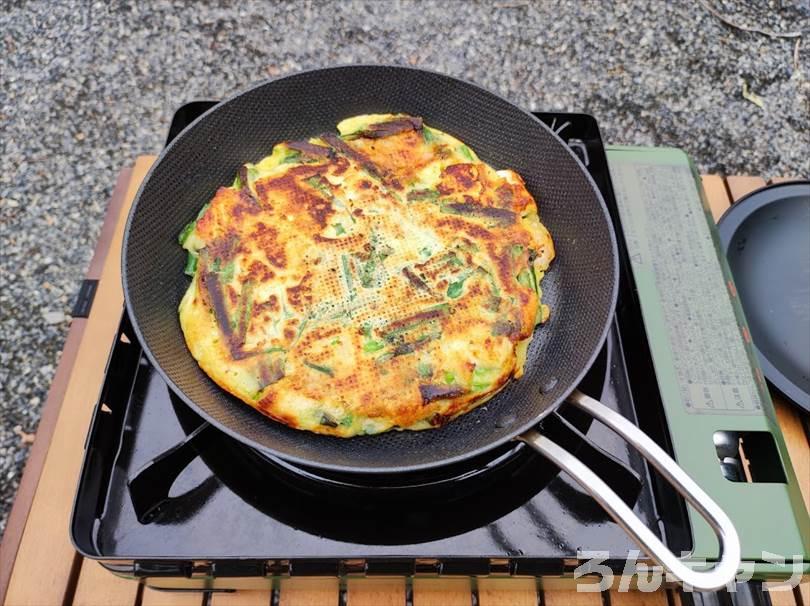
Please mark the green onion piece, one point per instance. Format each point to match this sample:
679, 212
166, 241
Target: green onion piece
367, 329
449, 377
422, 194
425, 252
347, 275
384, 357
186, 232
493, 283
446, 207
191, 264
466, 152
482, 378
517, 249
301, 328
525, 278
367, 272
371, 346
226, 275
324, 369
321, 184
425, 370
246, 300
455, 289
274, 350
535, 281
347, 420
443, 307
237, 182
339, 229
291, 157
428, 135
419, 320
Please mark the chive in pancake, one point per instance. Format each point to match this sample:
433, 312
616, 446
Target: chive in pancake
383, 278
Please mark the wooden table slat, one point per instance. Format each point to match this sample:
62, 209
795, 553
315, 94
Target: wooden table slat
376, 592
740, 185
442, 592
309, 592
98, 587
714, 186
639, 598
15, 524
244, 598
508, 592
45, 538
781, 596
155, 597
572, 598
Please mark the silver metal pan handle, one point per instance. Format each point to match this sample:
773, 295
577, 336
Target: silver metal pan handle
718, 575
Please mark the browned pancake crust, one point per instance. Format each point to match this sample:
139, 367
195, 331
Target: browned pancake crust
385, 279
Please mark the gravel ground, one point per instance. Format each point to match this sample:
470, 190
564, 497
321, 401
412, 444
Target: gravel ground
86, 87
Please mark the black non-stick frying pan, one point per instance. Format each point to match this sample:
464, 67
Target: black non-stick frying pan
580, 288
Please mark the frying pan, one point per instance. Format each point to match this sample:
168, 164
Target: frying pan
580, 288
766, 238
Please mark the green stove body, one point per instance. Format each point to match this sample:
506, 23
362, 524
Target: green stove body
720, 417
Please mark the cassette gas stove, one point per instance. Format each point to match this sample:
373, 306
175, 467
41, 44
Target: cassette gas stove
165, 498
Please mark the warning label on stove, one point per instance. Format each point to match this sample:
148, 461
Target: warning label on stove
718, 397
695, 334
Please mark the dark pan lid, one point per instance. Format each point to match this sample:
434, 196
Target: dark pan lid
766, 238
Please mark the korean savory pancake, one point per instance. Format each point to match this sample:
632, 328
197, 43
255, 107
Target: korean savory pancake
380, 278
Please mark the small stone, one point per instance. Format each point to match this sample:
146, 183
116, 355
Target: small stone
54, 317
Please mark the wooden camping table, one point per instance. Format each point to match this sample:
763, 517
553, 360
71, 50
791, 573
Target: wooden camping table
38, 565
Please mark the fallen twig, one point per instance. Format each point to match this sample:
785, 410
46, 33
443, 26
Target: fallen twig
745, 28
25, 437
752, 96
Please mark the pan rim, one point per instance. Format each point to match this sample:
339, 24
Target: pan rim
363, 470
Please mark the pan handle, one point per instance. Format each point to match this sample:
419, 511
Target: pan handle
723, 571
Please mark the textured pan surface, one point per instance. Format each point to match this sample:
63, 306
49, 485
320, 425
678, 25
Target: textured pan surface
580, 288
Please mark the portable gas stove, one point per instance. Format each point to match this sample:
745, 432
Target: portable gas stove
166, 498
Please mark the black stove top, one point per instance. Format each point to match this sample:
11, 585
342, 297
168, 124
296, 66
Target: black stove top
161, 491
